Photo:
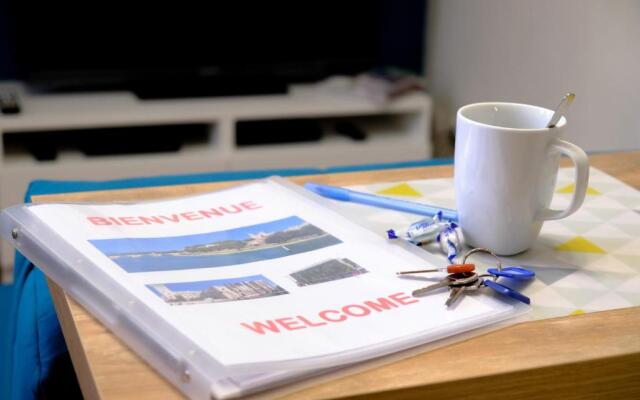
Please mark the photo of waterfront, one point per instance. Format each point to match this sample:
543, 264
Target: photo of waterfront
217, 291
269, 240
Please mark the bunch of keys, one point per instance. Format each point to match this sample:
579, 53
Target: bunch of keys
462, 278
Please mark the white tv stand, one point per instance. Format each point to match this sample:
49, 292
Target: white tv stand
397, 131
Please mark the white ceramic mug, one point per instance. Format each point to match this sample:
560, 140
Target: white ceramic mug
506, 163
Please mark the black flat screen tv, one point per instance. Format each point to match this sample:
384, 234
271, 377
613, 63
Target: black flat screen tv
168, 49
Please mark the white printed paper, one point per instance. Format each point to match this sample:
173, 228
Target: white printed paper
260, 275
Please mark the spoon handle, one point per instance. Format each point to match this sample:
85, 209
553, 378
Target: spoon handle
561, 109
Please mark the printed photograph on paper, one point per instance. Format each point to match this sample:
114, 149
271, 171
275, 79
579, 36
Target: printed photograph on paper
326, 271
217, 291
269, 240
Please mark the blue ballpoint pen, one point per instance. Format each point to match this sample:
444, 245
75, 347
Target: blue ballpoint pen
342, 194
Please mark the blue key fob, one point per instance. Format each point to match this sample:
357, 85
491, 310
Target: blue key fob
518, 273
507, 291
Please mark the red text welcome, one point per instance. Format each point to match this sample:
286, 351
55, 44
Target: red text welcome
331, 316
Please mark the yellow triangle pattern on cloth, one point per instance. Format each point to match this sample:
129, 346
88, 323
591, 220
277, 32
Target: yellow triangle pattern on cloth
403, 189
576, 312
570, 188
579, 244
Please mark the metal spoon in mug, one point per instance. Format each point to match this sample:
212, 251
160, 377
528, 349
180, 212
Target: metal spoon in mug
561, 109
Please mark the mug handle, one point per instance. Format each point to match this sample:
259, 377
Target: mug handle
581, 163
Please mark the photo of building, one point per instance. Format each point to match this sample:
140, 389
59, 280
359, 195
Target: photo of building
330, 270
217, 291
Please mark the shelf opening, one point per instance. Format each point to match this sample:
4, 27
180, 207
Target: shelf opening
96, 142
302, 130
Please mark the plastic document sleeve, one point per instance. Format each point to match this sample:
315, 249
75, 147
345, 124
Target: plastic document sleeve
179, 357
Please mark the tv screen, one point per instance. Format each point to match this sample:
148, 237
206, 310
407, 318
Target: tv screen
216, 46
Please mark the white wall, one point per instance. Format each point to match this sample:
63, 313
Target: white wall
533, 51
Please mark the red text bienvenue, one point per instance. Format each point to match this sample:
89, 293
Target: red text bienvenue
331, 316
175, 218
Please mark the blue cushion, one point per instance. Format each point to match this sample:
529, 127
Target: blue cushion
6, 300
41, 187
34, 361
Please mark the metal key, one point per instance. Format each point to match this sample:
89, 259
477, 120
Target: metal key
461, 288
454, 295
428, 289
452, 280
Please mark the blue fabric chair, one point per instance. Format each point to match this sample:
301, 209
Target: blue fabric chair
34, 361
5, 308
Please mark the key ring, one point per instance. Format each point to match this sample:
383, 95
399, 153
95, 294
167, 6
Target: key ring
483, 250
463, 279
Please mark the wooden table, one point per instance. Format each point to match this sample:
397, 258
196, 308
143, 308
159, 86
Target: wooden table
593, 355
